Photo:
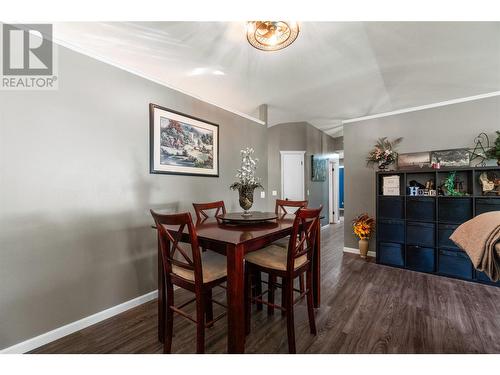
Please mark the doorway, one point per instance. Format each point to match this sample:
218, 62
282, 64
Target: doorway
292, 175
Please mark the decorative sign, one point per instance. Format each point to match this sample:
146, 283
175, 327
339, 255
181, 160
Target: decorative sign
390, 185
478, 154
413, 191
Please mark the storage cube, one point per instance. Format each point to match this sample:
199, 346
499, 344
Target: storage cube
421, 234
391, 230
454, 210
455, 263
420, 258
487, 205
413, 232
421, 208
391, 254
391, 207
444, 233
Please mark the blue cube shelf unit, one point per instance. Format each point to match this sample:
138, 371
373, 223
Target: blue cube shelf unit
413, 231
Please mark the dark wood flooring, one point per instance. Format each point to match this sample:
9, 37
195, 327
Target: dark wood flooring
366, 308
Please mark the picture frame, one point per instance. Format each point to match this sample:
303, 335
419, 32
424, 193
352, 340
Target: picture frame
181, 144
458, 157
413, 160
318, 169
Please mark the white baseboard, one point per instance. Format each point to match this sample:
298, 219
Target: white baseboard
45, 338
356, 251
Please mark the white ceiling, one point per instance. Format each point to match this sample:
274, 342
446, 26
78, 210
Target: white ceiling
334, 71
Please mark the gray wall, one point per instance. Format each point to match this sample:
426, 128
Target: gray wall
299, 136
452, 126
75, 192
338, 143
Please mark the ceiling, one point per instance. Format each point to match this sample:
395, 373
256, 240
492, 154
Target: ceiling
334, 71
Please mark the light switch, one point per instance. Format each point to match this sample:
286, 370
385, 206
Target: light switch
274, 193
262, 194
307, 192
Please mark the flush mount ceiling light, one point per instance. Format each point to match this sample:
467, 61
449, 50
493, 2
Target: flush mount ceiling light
271, 35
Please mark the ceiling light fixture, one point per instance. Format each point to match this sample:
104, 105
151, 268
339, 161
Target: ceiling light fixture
271, 35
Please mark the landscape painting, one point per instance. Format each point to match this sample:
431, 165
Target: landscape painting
451, 158
181, 144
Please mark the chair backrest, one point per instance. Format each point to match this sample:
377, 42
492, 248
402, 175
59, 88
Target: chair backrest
304, 234
201, 208
281, 204
170, 231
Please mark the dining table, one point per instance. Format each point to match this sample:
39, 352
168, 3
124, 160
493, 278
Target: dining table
234, 241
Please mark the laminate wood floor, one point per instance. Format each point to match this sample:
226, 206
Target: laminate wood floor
366, 308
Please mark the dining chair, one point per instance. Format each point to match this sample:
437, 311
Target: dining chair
280, 209
288, 265
201, 209
186, 267
282, 204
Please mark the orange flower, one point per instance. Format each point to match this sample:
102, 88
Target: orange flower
363, 226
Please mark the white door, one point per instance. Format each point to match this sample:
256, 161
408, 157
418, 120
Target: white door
292, 175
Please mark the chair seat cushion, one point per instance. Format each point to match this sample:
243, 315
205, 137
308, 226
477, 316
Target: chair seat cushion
282, 242
273, 257
213, 266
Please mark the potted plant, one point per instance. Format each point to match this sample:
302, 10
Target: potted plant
363, 226
247, 182
384, 153
494, 152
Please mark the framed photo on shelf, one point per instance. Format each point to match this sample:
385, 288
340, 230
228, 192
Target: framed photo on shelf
414, 160
459, 157
182, 144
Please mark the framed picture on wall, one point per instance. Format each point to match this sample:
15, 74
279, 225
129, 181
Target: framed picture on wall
318, 168
182, 144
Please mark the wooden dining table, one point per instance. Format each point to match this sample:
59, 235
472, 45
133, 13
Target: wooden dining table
234, 241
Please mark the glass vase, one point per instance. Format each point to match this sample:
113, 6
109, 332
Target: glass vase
246, 198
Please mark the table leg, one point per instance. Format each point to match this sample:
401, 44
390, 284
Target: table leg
235, 299
162, 298
317, 268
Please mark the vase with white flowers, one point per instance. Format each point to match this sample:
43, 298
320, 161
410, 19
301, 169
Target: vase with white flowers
247, 182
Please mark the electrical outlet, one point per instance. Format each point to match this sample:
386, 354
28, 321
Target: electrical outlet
274, 193
262, 194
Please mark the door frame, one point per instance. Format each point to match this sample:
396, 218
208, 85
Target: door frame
333, 191
282, 155
341, 167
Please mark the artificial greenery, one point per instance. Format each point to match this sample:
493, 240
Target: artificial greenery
449, 185
494, 152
